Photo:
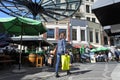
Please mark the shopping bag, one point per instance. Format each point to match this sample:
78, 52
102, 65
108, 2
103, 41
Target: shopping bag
54, 51
65, 60
49, 60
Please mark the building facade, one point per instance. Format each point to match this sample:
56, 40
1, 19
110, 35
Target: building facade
85, 11
87, 33
77, 32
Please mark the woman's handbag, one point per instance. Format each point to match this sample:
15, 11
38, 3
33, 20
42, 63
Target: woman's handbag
65, 60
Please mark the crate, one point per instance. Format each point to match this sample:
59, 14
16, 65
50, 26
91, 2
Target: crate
39, 61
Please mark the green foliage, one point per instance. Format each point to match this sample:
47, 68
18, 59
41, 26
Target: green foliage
75, 51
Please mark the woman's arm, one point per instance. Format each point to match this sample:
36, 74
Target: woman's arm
64, 45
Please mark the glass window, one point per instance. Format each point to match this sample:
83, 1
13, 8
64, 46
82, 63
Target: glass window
91, 36
87, 8
77, 17
97, 37
74, 34
62, 31
105, 40
93, 20
50, 33
112, 41
82, 35
88, 18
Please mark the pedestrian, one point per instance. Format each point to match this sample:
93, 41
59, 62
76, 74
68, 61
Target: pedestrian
82, 52
71, 57
117, 54
61, 50
109, 55
46, 59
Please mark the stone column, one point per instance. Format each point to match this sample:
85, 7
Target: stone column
45, 35
94, 38
56, 33
79, 34
69, 30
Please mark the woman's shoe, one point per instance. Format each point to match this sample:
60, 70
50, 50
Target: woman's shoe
68, 73
57, 76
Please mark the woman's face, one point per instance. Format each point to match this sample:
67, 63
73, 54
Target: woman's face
62, 35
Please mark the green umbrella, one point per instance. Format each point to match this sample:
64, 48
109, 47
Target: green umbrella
102, 49
21, 26
93, 50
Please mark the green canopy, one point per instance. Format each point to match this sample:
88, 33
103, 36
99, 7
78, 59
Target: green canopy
102, 49
99, 49
20, 25
93, 50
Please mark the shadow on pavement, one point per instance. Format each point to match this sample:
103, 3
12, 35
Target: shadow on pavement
74, 68
53, 69
81, 72
77, 73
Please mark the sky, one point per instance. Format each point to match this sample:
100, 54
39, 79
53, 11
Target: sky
3, 15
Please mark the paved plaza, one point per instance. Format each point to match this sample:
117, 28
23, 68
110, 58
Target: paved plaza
86, 71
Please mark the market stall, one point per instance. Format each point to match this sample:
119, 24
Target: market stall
34, 51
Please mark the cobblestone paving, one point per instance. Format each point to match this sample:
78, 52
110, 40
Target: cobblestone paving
88, 71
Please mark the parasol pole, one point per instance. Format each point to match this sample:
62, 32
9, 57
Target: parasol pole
20, 47
39, 43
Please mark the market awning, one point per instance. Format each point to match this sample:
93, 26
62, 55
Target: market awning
77, 46
30, 40
80, 45
107, 11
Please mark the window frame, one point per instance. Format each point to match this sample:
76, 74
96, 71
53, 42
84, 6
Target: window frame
53, 35
97, 36
91, 39
82, 34
87, 8
75, 39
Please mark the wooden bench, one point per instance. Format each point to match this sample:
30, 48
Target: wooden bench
5, 60
6, 63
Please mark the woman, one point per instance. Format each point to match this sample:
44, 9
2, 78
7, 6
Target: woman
61, 50
71, 57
